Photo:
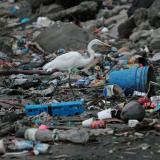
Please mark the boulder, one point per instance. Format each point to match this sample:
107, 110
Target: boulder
140, 34
125, 29
24, 9
139, 4
140, 15
47, 2
6, 45
71, 3
84, 11
65, 3
154, 14
63, 35
50, 9
133, 110
155, 40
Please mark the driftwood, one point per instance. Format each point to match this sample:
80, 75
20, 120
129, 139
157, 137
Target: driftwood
27, 72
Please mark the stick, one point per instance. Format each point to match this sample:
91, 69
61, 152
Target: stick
27, 72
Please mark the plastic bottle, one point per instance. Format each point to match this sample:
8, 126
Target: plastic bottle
2, 147
20, 145
73, 135
23, 145
41, 148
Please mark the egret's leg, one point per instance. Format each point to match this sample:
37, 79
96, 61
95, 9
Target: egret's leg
69, 81
56, 87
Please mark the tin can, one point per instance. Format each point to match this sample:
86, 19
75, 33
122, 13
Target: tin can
98, 124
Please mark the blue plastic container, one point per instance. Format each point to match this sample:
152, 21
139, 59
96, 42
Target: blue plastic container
68, 108
35, 109
56, 109
135, 78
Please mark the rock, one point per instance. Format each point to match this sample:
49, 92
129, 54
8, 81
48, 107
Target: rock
106, 13
140, 15
154, 45
139, 4
155, 58
125, 29
154, 14
50, 9
155, 40
6, 45
144, 26
36, 4
117, 20
3, 23
65, 3
22, 9
92, 24
71, 3
63, 35
138, 35
133, 110
77, 12
119, 2
47, 2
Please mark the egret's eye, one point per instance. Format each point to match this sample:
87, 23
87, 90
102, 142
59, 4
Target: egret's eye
95, 46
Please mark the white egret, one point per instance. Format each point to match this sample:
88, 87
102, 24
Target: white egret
75, 59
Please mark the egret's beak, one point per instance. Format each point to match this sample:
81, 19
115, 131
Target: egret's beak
105, 46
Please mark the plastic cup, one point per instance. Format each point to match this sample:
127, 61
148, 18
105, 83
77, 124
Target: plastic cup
105, 114
87, 123
133, 123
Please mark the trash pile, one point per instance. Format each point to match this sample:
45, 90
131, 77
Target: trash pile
72, 73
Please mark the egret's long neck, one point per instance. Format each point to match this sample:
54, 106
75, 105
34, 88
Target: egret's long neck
91, 51
85, 61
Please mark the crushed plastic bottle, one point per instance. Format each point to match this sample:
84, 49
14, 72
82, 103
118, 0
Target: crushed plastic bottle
20, 145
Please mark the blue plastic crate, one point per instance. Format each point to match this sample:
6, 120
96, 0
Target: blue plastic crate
68, 108
35, 109
56, 109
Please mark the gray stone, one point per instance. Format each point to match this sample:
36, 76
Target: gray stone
139, 4
106, 13
155, 58
155, 44
50, 9
138, 35
125, 29
144, 26
63, 35
65, 3
140, 15
71, 3
6, 45
155, 40
25, 9
154, 14
47, 2
133, 110
85, 10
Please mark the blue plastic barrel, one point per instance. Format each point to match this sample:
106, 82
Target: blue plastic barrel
135, 78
